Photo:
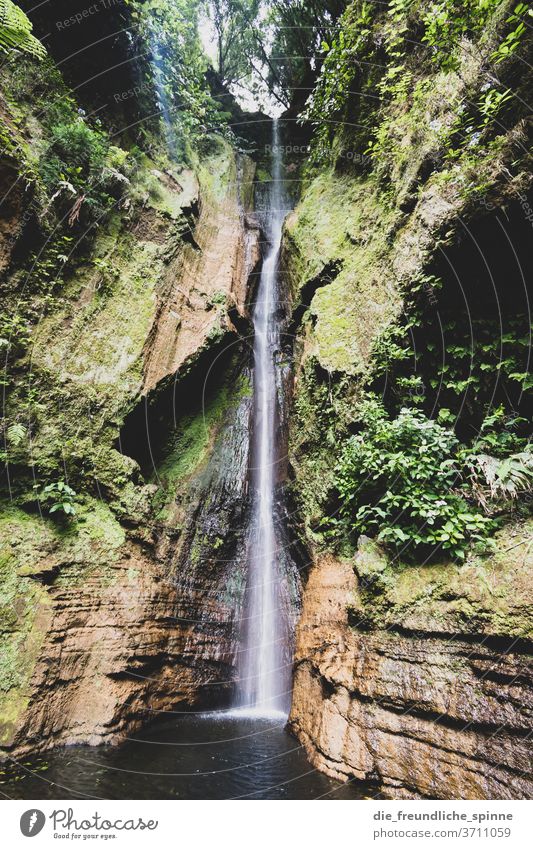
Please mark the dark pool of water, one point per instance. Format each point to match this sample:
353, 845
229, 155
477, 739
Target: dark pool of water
206, 756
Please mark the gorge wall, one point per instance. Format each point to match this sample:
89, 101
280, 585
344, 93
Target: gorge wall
421, 686
137, 362
414, 678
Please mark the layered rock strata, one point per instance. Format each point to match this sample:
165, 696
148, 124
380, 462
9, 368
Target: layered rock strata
422, 685
101, 618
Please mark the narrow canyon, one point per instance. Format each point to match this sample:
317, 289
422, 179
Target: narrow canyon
267, 397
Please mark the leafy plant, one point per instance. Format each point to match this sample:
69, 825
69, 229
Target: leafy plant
342, 57
16, 434
47, 267
512, 40
14, 334
398, 479
447, 21
58, 497
499, 434
491, 103
381, 49
79, 170
496, 480
472, 366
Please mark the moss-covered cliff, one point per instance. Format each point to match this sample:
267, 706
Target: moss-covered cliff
125, 277
408, 267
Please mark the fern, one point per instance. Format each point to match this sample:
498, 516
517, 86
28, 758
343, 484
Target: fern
16, 433
514, 475
15, 32
494, 479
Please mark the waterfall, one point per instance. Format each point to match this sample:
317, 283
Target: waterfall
264, 665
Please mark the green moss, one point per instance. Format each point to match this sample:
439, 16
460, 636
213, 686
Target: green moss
322, 410
106, 333
190, 446
40, 546
342, 224
262, 175
217, 173
24, 618
487, 595
37, 549
133, 576
168, 192
86, 359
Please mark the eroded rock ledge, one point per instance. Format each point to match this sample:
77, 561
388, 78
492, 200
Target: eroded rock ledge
100, 620
414, 688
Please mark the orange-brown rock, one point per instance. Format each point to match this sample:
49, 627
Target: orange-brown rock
211, 270
105, 661
432, 712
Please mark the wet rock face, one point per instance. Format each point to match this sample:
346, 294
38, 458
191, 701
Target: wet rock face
130, 626
418, 714
106, 661
133, 616
207, 282
209, 563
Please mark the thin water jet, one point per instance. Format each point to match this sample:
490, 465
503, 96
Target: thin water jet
264, 664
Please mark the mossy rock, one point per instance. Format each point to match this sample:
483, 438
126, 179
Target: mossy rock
487, 595
342, 223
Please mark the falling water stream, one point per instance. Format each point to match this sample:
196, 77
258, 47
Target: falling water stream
264, 677
244, 752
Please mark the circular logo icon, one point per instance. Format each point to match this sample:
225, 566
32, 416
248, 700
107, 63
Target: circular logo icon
32, 822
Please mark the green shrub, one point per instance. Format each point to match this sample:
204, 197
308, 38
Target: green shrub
399, 480
14, 335
77, 144
500, 435
495, 482
58, 497
81, 170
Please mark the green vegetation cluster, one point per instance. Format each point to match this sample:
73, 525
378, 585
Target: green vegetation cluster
189, 109
441, 455
75, 181
445, 457
16, 31
383, 63
410, 483
84, 188
433, 446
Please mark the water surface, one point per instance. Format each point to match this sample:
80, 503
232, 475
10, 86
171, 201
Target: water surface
205, 756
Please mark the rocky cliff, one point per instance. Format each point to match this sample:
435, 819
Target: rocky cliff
100, 614
420, 686
413, 678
